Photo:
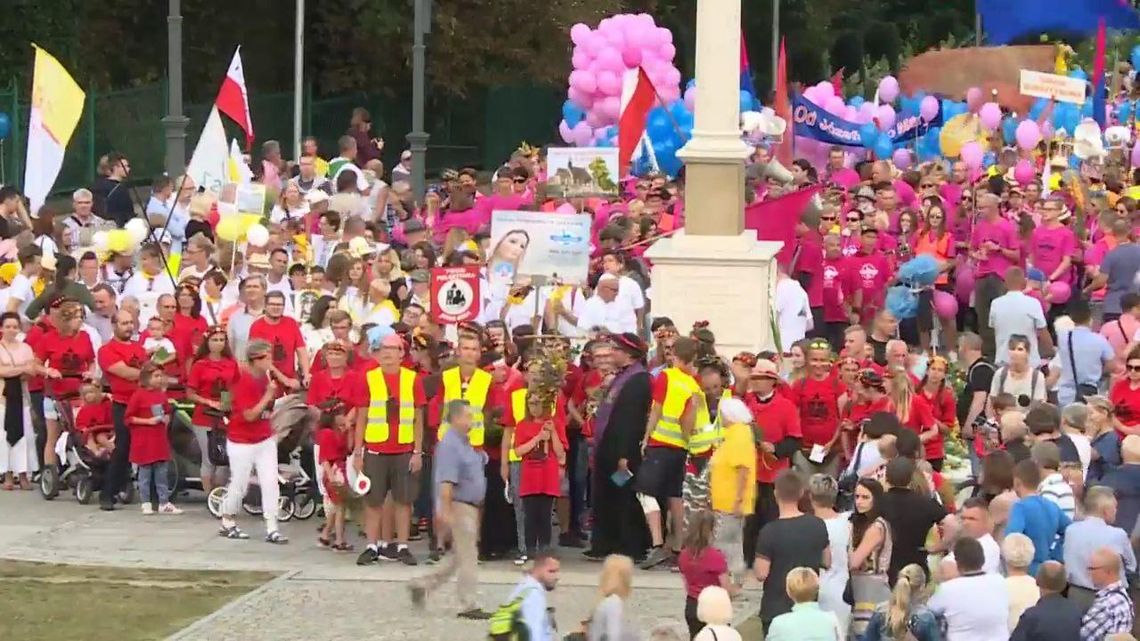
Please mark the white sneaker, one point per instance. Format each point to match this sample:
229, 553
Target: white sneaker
169, 508
147, 509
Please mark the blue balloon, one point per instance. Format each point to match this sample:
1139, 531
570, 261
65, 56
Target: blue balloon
5, 126
1008, 130
690, 84
884, 147
857, 101
1037, 108
1087, 109
1124, 113
988, 159
677, 108
659, 126
1074, 162
868, 135
572, 114
1079, 74
745, 100
1135, 57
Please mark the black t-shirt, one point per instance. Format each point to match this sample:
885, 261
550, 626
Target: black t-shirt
979, 378
1068, 449
879, 349
788, 544
910, 516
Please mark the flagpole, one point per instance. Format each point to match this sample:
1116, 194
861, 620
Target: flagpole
298, 76
775, 42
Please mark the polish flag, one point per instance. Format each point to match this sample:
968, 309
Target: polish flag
233, 99
637, 98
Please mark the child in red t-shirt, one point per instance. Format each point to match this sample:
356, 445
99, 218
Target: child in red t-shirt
147, 413
93, 421
332, 443
537, 442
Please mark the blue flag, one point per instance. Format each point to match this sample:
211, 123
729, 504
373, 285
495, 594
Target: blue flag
1004, 21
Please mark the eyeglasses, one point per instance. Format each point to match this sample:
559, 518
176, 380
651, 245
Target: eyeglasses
853, 219
1133, 368
927, 186
827, 218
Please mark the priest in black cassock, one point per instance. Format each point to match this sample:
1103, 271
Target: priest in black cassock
619, 522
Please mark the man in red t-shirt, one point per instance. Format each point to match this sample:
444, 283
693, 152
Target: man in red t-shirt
780, 436
120, 358
389, 451
284, 336
69, 357
816, 397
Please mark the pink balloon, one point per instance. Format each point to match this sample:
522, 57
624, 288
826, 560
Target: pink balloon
888, 89
595, 118
867, 109
964, 283
974, 99
583, 81
1135, 157
1047, 129
885, 114
945, 304
1059, 292
1036, 294
812, 94
825, 89
835, 105
583, 134
671, 93
901, 158
565, 132
1028, 134
609, 83
609, 108
928, 109
580, 59
565, 208
691, 98
664, 36
631, 56
616, 39
971, 154
609, 59
990, 115
1023, 172
672, 76
606, 25
593, 42
667, 51
578, 33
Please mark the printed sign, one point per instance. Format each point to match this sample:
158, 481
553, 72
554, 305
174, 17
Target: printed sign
1051, 86
455, 294
529, 243
575, 172
812, 121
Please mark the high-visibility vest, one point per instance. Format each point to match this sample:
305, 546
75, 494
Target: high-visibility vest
681, 387
707, 433
518, 411
376, 429
478, 388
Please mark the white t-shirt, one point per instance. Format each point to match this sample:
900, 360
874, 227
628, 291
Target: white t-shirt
630, 293
615, 316
147, 291
21, 290
793, 313
361, 181
572, 300
152, 345
992, 551
1016, 313
1017, 386
278, 214
976, 608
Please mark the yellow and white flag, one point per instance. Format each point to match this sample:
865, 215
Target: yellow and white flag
57, 104
209, 166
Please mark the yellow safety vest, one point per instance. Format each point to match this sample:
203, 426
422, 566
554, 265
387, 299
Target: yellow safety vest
476, 394
681, 387
376, 429
518, 411
707, 434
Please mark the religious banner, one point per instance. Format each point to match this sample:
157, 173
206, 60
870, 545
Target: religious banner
579, 172
529, 243
455, 294
813, 121
57, 104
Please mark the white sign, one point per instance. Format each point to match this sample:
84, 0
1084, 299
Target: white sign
530, 243
576, 172
1052, 86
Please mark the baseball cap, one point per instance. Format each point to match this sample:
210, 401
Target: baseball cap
316, 196
865, 192
414, 225
765, 368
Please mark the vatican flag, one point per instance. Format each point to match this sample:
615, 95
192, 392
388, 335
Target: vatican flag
57, 104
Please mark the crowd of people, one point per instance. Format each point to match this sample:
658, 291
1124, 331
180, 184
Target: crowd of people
962, 474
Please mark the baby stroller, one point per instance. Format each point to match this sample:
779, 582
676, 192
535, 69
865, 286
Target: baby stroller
292, 424
80, 470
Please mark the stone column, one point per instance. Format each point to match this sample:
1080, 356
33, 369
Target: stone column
714, 269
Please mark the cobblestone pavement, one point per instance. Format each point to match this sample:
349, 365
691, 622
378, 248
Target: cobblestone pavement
320, 594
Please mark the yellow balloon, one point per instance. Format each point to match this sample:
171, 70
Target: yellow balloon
960, 130
229, 229
118, 240
249, 220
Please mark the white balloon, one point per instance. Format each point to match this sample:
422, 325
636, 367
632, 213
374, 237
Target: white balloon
138, 229
99, 240
257, 235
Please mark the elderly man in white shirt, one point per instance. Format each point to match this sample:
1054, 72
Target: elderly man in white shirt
603, 310
793, 312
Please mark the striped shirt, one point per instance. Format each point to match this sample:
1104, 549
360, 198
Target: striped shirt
1055, 489
1111, 612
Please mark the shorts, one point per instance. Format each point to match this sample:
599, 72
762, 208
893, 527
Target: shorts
662, 473
389, 473
51, 412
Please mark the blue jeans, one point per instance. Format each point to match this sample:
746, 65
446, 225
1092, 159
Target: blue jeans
159, 472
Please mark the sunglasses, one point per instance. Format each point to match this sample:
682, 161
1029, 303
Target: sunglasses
520, 181
827, 218
853, 219
928, 186
1133, 368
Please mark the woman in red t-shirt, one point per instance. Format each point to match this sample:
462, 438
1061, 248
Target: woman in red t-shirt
912, 410
940, 397
869, 395
702, 565
1125, 396
211, 376
537, 442
147, 414
189, 328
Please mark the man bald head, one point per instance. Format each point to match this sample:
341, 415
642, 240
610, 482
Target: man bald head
1051, 578
1104, 567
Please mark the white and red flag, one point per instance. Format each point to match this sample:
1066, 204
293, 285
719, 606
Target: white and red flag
637, 99
233, 99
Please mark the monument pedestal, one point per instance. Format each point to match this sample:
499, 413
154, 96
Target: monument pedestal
726, 280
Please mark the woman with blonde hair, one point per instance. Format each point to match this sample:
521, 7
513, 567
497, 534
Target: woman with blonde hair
375, 308
905, 616
1017, 551
291, 204
912, 410
609, 621
807, 621
387, 266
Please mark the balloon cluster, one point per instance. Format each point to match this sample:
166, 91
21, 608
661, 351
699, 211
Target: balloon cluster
600, 60
235, 227
123, 240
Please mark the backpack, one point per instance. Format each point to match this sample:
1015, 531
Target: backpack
507, 623
1003, 374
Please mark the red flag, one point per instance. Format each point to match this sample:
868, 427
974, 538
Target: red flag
233, 100
783, 108
776, 219
637, 98
837, 82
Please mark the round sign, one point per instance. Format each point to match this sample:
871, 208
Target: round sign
455, 297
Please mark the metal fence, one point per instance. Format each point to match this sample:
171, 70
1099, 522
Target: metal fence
478, 131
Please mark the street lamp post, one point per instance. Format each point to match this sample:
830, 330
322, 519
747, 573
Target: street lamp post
417, 137
298, 76
175, 121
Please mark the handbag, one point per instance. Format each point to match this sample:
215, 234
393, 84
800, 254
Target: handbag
845, 499
1084, 390
216, 448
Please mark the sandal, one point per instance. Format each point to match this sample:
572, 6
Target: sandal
325, 543
343, 546
232, 532
276, 538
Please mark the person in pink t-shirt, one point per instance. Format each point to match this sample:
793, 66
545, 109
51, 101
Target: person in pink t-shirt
869, 272
995, 247
807, 268
836, 303
1052, 246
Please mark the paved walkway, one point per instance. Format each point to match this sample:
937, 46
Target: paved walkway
320, 594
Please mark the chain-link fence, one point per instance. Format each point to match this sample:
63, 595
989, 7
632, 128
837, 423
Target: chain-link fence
478, 131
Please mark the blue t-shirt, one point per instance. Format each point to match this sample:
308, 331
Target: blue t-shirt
1121, 266
1044, 523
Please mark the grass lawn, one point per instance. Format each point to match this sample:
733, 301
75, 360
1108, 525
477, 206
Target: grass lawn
47, 601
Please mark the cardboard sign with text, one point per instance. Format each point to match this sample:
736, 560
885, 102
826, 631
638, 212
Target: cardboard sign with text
1051, 86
